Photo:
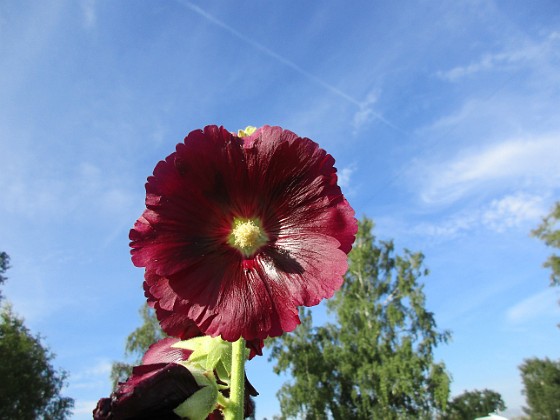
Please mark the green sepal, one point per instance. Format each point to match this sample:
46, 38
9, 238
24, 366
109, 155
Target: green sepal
222, 372
200, 404
211, 353
220, 354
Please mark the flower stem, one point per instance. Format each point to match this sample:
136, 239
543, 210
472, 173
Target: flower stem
237, 381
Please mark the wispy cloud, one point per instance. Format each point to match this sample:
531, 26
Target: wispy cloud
101, 368
541, 304
85, 190
525, 163
366, 112
527, 53
89, 14
91, 381
24, 41
486, 63
470, 301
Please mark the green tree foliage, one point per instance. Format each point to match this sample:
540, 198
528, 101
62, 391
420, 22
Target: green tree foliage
29, 386
4, 265
541, 380
549, 232
377, 360
473, 404
137, 343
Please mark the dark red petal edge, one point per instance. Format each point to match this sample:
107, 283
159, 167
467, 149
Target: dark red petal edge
153, 395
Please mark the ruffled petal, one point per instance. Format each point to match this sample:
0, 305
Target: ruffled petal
162, 352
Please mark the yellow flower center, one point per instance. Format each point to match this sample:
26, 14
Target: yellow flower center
247, 131
247, 236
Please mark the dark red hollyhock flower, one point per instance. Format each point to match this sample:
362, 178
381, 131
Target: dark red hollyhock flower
157, 387
240, 231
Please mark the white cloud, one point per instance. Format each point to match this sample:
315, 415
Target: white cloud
520, 163
541, 304
518, 210
513, 211
345, 175
84, 407
447, 228
91, 377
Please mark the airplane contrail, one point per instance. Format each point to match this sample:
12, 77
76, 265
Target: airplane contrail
258, 46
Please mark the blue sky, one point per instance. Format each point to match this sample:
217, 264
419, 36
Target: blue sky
442, 116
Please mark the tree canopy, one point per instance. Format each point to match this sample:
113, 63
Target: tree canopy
541, 380
137, 343
4, 265
549, 232
377, 360
473, 404
30, 386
